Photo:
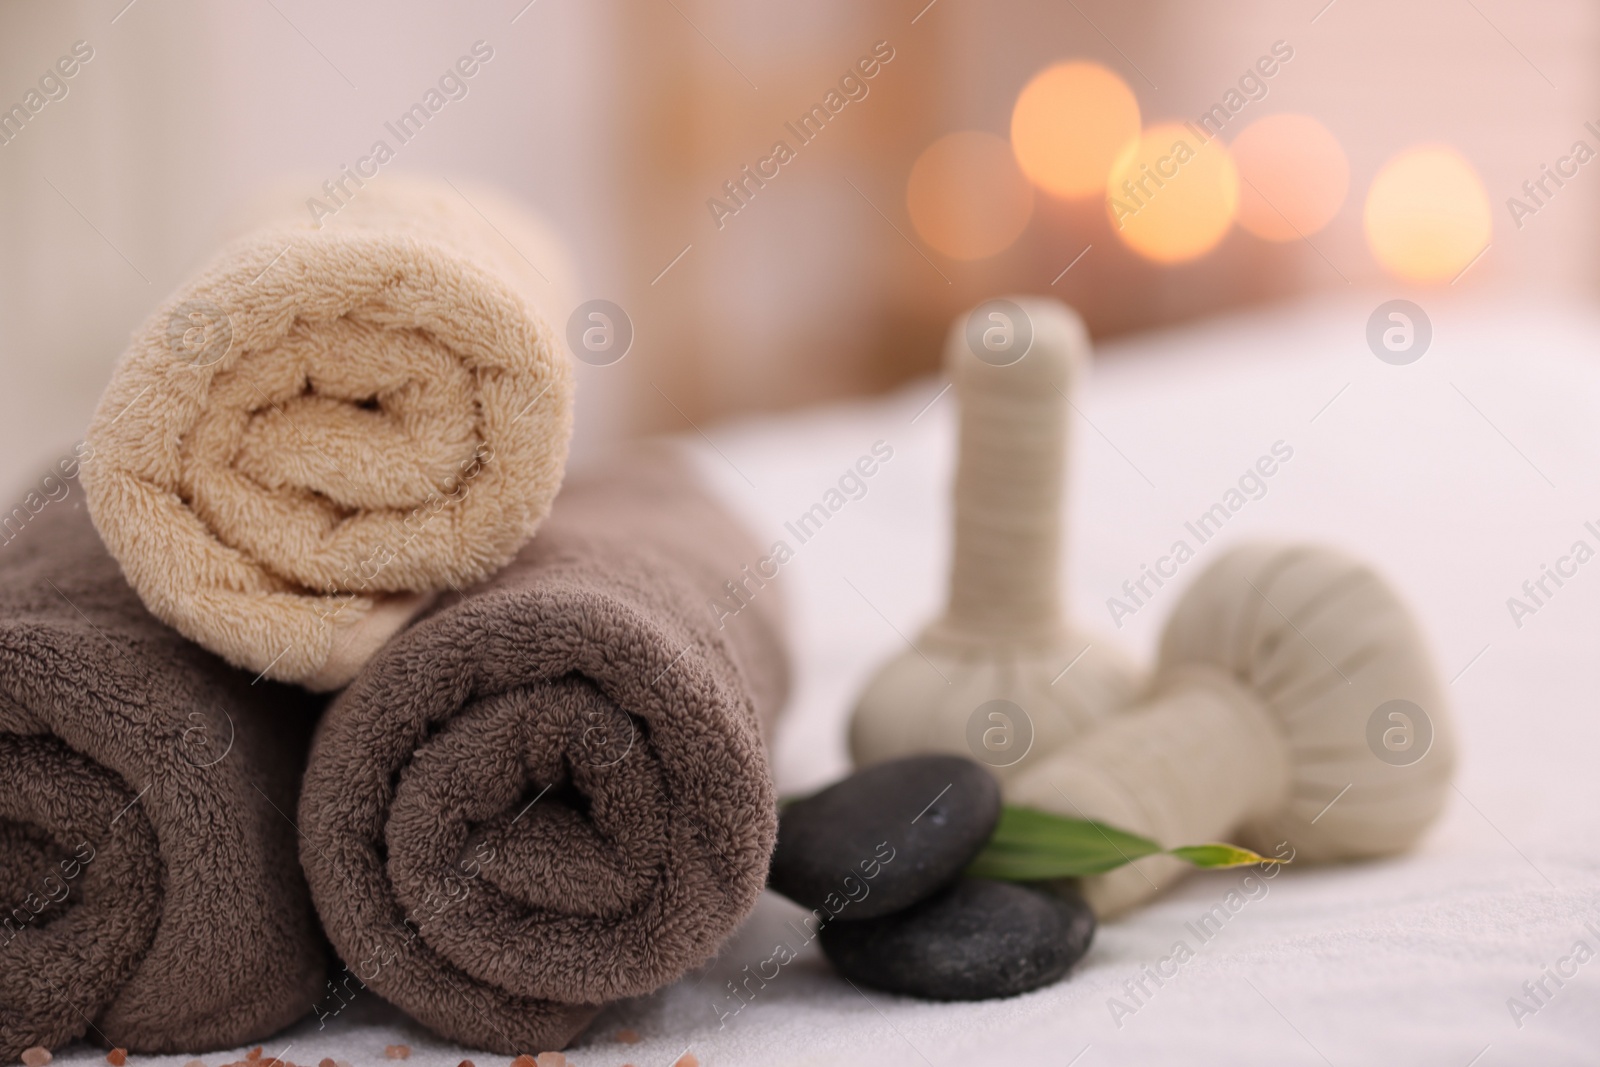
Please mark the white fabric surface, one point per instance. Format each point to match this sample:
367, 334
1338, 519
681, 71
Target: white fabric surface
1404, 961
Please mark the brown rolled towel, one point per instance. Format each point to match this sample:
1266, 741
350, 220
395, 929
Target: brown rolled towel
147, 863
553, 791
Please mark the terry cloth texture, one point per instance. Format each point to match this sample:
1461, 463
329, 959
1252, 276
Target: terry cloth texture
331, 423
147, 863
553, 791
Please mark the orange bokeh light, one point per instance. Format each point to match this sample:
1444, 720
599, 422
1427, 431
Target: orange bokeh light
1293, 176
1173, 199
966, 197
1427, 214
1071, 125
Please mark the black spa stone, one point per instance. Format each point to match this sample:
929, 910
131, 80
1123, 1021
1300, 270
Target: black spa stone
973, 941
885, 837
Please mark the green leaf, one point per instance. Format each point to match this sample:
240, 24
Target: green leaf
1030, 845
1217, 856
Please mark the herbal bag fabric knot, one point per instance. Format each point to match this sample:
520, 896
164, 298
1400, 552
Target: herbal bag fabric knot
330, 424
553, 791
147, 867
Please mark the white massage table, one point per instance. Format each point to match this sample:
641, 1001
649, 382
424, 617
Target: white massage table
1459, 476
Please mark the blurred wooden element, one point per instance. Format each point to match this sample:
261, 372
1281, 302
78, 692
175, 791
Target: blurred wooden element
819, 286
806, 292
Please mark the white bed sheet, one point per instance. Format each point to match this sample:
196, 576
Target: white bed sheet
1458, 475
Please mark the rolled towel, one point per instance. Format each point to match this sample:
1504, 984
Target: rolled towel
553, 790
331, 423
147, 862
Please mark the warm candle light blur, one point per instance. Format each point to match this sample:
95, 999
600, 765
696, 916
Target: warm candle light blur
1174, 198
1293, 176
1427, 214
966, 197
1072, 124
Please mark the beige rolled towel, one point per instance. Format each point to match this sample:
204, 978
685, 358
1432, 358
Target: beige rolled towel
332, 422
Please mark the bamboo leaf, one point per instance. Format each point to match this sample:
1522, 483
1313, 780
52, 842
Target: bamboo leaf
1217, 856
1030, 845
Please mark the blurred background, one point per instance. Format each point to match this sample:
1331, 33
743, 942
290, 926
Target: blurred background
1149, 161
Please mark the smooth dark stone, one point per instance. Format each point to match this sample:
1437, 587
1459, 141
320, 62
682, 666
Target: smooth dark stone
885, 837
974, 941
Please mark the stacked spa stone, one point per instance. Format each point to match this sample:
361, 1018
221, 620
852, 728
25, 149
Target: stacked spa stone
879, 858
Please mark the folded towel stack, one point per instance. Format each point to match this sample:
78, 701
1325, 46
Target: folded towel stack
546, 785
